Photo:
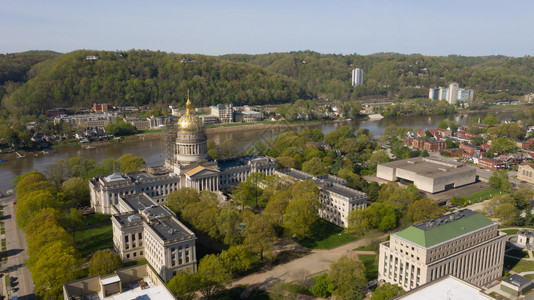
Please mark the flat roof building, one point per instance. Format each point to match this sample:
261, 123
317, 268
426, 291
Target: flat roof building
136, 282
428, 174
445, 288
464, 244
336, 199
143, 229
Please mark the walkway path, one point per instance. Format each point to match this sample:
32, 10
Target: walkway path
318, 261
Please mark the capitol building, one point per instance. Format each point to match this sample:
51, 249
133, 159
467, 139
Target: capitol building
188, 166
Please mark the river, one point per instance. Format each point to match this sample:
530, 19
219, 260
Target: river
151, 149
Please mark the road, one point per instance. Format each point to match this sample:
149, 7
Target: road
16, 254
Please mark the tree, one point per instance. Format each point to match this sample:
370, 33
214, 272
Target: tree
243, 192
503, 145
490, 119
523, 196
259, 236
212, 276
57, 263
228, 222
507, 213
320, 286
423, 210
228, 149
386, 291
179, 199
378, 157
30, 182
276, 207
76, 192
236, 259
500, 180
477, 141
104, 262
31, 204
491, 207
358, 223
72, 221
343, 275
130, 163
120, 128
184, 285
314, 166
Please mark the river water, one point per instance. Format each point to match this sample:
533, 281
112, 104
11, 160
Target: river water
151, 150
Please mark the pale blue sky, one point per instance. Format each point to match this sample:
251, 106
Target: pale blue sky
430, 27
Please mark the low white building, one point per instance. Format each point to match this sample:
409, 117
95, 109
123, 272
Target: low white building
135, 282
428, 174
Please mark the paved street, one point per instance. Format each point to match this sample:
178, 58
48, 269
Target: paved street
17, 255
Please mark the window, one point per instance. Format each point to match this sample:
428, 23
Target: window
127, 255
140, 235
135, 254
126, 238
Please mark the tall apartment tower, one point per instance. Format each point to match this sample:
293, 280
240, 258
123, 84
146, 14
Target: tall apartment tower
453, 93
433, 94
357, 77
464, 244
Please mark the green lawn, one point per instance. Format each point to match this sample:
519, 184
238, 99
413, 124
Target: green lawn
326, 235
134, 263
93, 239
149, 131
510, 231
517, 253
518, 265
371, 265
362, 248
482, 195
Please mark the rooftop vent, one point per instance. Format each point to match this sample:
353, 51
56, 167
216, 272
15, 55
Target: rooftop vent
410, 162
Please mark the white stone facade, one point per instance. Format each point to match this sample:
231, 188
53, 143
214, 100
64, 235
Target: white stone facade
142, 229
335, 198
474, 253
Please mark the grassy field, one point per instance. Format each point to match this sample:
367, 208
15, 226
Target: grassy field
151, 131
518, 265
93, 239
517, 253
482, 195
510, 231
371, 265
326, 235
362, 248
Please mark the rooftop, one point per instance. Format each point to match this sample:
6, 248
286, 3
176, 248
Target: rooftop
517, 280
445, 288
444, 228
429, 167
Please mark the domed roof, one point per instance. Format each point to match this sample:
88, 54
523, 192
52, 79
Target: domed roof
189, 122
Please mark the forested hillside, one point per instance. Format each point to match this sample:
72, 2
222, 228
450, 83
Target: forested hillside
140, 77
33, 81
399, 75
15, 66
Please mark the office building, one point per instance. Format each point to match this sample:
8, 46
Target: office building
464, 244
453, 93
143, 229
357, 77
336, 199
433, 94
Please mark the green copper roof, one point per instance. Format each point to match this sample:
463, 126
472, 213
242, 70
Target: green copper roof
444, 228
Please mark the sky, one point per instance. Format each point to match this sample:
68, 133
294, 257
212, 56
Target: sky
429, 27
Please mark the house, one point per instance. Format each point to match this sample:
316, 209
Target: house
454, 152
467, 148
492, 164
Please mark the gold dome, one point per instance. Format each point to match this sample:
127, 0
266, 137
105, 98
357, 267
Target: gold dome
189, 122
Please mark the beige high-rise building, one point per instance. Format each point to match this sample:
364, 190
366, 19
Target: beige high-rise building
464, 244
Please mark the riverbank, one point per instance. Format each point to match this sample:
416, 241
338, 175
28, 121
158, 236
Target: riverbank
494, 108
271, 124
